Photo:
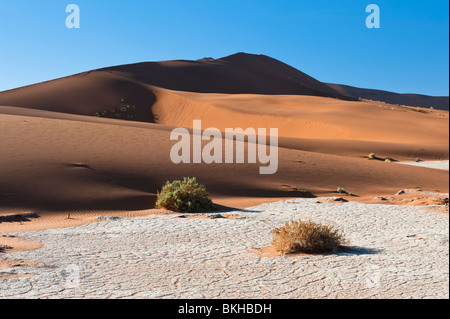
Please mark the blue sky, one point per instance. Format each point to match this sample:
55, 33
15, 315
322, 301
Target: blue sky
326, 39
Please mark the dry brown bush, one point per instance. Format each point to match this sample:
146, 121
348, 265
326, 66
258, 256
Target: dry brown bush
307, 237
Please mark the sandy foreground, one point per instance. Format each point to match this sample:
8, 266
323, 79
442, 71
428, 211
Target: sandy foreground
394, 251
397, 252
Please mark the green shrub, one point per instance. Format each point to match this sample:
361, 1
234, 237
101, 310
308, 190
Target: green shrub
126, 112
388, 159
372, 156
302, 192
307, 237
341, 190
184, 196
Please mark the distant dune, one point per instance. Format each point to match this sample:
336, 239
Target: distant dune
57, 156
306, 117
437, 102
239, 73
103, 89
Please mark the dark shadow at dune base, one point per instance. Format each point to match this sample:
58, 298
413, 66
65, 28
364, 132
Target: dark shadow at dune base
132, 203
15, 218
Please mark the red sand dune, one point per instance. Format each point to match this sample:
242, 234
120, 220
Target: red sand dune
103, 89
437, 102
57, 156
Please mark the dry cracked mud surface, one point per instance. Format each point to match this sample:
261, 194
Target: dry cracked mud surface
396, 252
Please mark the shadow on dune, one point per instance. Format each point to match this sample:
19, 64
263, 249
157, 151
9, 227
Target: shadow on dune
132, 203
18, 218
379, 159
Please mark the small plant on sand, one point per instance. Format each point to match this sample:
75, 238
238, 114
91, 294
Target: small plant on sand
184, 196
3, 248
306, 237
301, 192
388, 159
340, 190
123, 112
372, 156
418, 160
304, 193
420, 110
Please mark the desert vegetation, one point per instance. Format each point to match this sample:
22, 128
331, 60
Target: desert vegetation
125, 112
303, 193
184, 196
341, 190
3, 248
307, 237
387, 159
